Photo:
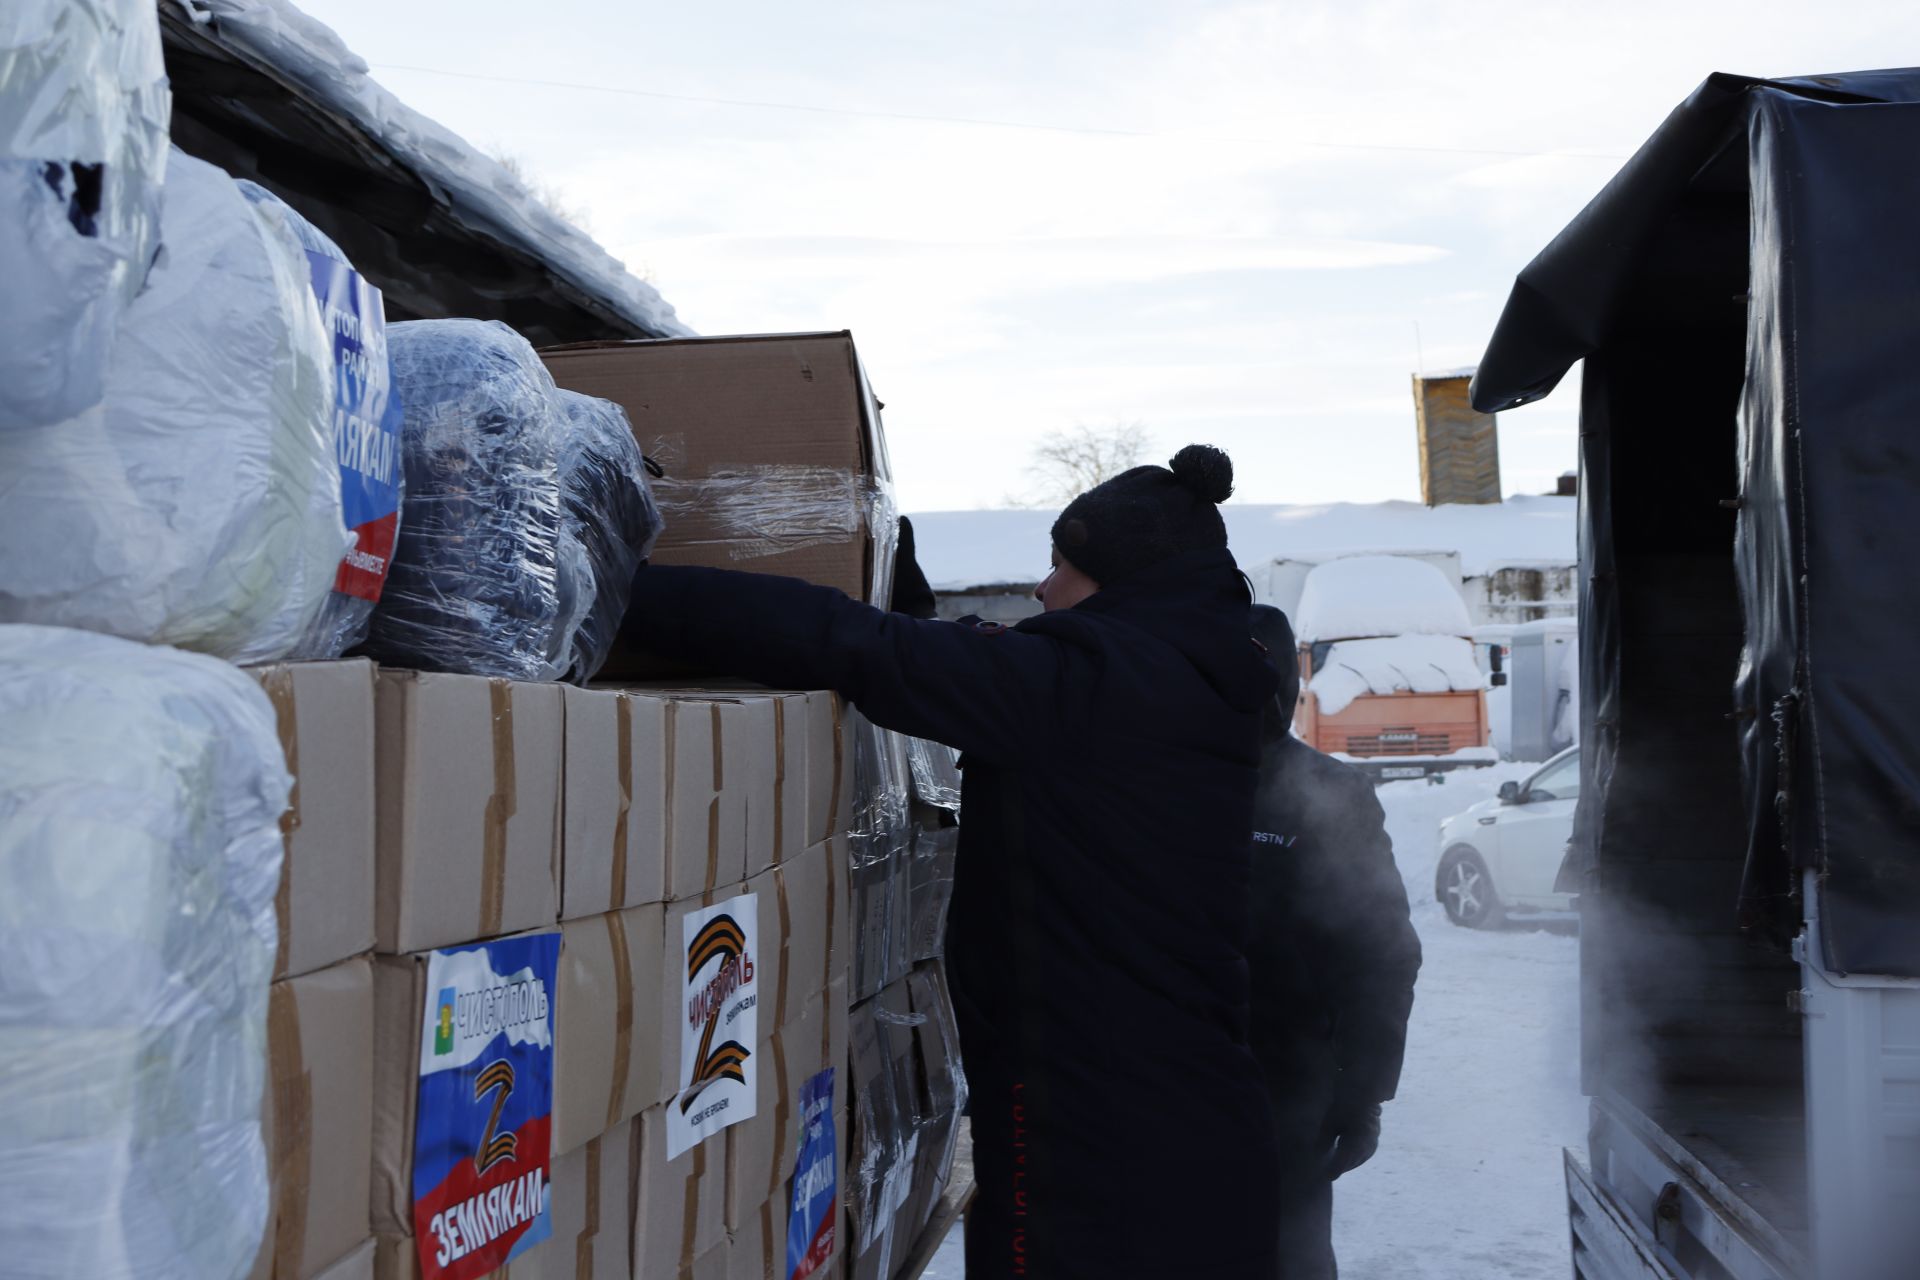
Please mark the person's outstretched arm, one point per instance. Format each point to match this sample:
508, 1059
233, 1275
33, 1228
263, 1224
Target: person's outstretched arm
987, 690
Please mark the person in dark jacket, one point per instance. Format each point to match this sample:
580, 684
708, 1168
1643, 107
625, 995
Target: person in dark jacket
1333, 959
1096, 941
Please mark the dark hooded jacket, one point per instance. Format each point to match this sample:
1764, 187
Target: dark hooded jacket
1096, 940
1333, 953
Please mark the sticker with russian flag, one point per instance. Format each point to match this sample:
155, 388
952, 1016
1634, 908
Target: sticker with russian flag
482, 1145
810, 1227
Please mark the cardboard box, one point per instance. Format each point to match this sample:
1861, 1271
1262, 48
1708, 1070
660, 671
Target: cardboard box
469, 808
721, 753
325, 903
715, 1264
317, 1119
871, 886
592, 1203
614, 820
765, 1149
943, 1082
680, 1209
357, 1265
876, 1144
771, 447
806, 905
792, 737
606, 1049
829, 768
900, 913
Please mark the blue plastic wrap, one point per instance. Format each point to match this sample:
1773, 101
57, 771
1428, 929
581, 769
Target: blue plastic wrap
474, 584
609, 524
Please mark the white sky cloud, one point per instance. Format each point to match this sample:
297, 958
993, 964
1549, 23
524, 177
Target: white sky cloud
1228, 278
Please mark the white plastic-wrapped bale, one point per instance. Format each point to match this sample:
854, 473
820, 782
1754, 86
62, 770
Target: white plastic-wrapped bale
141, 790
474, 583
609, 524
84, 111
1360, 596
366, 424
198, 506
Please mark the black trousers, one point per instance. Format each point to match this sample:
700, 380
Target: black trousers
1302, 1100
1305, 1222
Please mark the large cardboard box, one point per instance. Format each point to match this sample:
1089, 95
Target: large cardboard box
764, 1150
772, 445
935, 853
469, 808
325, 903
318, 1119
804, 910
871, 886
792, 742
720, 756
829, 768
614, 822
592, 1192
606, 1049
680, 1209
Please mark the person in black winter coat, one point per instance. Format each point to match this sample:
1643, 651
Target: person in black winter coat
1333, 960
1095, 947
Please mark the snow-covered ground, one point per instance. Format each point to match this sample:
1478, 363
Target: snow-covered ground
1467, 1184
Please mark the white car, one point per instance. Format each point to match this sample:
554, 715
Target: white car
1504, 853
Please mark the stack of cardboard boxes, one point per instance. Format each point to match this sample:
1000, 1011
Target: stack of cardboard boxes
683, 902
908, 1084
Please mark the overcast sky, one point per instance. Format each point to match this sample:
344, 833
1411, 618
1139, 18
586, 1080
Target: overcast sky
1244, 223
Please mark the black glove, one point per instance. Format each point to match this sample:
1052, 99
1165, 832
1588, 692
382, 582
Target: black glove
1354, 1135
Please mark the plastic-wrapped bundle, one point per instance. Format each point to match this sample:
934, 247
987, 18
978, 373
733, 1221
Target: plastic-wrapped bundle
140, 799
473, 587
200, 504
610, 518
366, 424
84, 111
936, 774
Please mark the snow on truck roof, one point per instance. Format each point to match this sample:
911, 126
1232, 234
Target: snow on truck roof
960, 550
1364, 596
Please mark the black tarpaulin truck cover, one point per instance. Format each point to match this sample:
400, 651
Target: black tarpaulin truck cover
1746, 293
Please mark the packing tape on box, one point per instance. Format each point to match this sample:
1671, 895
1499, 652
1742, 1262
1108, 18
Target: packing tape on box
833, 896
779, 776
583, 1245
782, 1109
690, 1220
292, 1132
278, 684
623, 719
501, 806
719, 790
786, 931
770, 1242
671, 747
622, 1018
839, 737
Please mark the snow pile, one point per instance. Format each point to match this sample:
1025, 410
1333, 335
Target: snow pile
1379, 596
199, 505
309, 55
140, 851
1394, 664
963, 549
84, 109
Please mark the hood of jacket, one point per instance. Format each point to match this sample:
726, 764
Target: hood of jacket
1272, 629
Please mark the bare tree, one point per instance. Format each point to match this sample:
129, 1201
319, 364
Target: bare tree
551, 194
1068, 463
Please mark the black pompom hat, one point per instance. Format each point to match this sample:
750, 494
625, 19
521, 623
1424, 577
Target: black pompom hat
1147, 515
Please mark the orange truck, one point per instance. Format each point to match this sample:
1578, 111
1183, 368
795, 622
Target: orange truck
1388, 676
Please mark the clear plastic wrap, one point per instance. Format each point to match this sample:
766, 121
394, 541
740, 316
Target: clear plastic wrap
610, 522
935, 850
880, 841
141, 790
199, 505
877, 1153
474, 585
936, 774
84, 113
366, 416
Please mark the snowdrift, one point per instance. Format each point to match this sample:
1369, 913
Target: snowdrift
1394, 664
1379, 596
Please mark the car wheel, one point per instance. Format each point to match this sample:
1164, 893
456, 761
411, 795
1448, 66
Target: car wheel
1464, 887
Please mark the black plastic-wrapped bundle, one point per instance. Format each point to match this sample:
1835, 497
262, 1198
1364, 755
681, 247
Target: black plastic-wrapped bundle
473, 587
609, 524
